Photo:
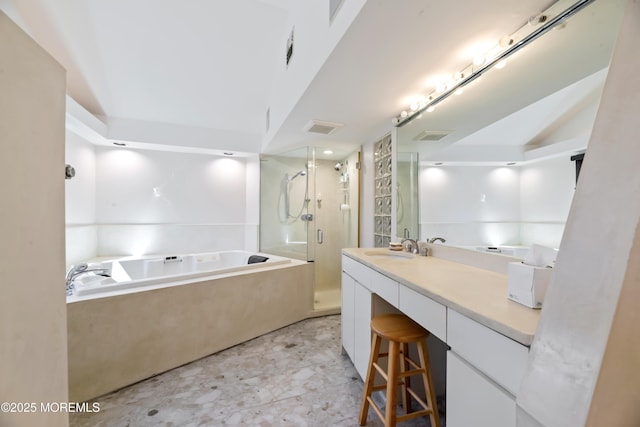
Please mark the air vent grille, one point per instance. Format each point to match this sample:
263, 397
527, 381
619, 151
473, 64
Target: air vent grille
431, 135
321, 127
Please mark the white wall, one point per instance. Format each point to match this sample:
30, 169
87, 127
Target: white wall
496, 205
546, 192
127, 201
314, 40
469, 205
80, 200
367, 196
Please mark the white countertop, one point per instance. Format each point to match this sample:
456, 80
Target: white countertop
474, 292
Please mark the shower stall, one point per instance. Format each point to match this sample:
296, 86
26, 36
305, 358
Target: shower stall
309, 211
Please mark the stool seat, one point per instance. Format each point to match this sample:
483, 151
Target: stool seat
398, 327
400, 331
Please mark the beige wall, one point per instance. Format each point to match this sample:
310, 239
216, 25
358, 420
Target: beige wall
33, 336
583, 366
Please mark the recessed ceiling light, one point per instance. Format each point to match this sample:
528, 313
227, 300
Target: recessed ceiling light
327, 152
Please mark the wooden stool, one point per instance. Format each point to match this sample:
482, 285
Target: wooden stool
400, 331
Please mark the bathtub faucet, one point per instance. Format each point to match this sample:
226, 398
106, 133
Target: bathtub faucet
76, 270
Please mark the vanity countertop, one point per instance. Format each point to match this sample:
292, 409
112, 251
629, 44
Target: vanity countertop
474, 292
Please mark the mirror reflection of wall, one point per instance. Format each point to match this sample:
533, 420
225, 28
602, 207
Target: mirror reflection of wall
407, 211
495, 162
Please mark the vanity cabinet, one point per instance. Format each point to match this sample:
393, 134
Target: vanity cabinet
347, 316
426, 312
359, 284
484, 367
356, 320
501, 359
473, 400
484, 371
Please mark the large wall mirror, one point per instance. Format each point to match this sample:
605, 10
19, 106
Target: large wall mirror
495, 166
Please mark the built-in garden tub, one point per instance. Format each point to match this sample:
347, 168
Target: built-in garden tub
155, 313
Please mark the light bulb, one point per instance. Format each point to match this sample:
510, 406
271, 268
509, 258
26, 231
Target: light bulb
478, 60
458, 91
441, 87
430, 109
501, 64
404, 114
505, 41
413, 106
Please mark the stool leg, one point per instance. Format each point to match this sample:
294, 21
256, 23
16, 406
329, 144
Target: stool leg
392, 383
368, 383
405, 382
428, 383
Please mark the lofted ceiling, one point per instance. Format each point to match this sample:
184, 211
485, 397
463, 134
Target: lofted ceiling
210, 64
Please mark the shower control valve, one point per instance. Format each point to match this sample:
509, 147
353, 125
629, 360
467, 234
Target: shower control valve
306, 217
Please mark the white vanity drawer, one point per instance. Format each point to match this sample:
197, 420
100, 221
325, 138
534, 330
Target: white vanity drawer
474, 400
429, 314
376, 282
498, 357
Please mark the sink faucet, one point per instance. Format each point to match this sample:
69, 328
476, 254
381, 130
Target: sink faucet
436, 239
412, 246
76, 270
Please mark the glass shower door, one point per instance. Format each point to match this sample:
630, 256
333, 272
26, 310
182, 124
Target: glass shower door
309, 210
336, 204
284, 204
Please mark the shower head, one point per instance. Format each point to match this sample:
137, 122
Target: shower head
301, 173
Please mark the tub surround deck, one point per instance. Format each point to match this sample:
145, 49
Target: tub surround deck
118, 340
472, 291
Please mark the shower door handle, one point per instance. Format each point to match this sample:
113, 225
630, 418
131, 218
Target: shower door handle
319, 236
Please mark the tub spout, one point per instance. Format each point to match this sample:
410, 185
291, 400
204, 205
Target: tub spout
76, 270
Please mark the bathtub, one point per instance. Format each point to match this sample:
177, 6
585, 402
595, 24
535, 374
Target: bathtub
143, 272
159, 312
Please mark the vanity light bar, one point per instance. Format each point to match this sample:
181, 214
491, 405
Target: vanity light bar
405, 116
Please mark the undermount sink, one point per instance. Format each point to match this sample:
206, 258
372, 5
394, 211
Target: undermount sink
389, 254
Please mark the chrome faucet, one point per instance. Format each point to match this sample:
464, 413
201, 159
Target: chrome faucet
436, 239
412, 247
76, 270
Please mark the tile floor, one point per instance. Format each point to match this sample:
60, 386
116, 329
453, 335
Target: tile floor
295, 376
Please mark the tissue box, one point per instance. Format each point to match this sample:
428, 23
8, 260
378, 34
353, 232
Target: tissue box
528, 284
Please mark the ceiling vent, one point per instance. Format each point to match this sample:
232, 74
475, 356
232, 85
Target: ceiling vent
431, 135
318, 126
